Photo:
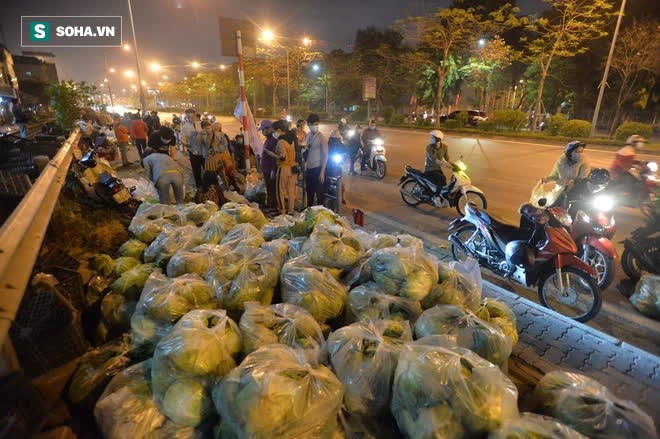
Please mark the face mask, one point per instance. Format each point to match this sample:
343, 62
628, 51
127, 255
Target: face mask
433, 140
576, 156
276, 135
371, 127
638, 145
313, 128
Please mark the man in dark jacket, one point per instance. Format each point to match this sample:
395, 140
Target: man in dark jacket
19, 117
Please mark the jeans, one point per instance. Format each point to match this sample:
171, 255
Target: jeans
438, 178
314, 187
196, 164
174, 179
22, 128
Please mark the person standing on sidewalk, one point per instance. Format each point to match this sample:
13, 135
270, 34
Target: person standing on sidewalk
19, 117
287, 168
317, 160
121, 134
196, 140
164, 173
139, 134
269, 165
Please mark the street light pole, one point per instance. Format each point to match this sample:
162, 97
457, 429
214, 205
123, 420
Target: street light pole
601, 91
137, 59
288, 83
105, 66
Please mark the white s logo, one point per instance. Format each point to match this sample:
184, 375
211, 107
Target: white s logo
40, 31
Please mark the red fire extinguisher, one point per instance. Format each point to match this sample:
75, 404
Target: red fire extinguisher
358, 217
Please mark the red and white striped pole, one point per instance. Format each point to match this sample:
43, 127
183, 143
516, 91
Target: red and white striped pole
241, 82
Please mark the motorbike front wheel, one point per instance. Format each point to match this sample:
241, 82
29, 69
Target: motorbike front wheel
576, 295
630, 264
381, 169
470, 197
471, 239
604, 266
412, 192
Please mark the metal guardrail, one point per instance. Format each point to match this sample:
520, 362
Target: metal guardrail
23, 233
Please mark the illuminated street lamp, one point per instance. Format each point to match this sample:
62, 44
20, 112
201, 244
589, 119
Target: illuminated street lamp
316, 67
195, 65
129, 73
268, 36
112, 70
307, 42
155, 67
222, 66
482, 42
165, 77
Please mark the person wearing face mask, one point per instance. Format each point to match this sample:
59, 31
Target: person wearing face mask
625, 158
369, 134
316, 162
269, 165
343, 127
570, 166
437, 157
285, 153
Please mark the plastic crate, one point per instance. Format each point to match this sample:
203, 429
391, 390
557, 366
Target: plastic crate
22, 408
42, 311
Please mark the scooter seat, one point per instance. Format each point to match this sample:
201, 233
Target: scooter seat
506, 231
105, 178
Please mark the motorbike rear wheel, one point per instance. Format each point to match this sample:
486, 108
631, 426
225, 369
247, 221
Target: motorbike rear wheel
470, 238
604, 266
580, 297
415, 190
631, 266
381, 169
470, 197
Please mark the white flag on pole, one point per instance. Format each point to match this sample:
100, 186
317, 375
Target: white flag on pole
252, 133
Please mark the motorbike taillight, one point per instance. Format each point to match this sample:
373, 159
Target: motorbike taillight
116, 188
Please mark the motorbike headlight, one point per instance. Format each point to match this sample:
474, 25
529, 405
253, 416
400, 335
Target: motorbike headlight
603, 203
462, 166
337, 158
378, 142
351, 133
653, 166
583, 217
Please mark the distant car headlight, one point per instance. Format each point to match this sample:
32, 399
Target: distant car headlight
603, 203
378, 142
337, 158
653, 166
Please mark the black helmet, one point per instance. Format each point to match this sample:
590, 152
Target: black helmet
598, 179
572, 146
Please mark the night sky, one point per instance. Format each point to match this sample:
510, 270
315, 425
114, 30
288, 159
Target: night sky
176, 32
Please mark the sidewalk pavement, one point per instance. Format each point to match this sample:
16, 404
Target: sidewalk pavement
550, 341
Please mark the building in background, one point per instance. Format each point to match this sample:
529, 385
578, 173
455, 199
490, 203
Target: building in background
35, 70
8, 86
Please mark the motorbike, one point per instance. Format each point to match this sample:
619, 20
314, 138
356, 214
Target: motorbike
416, 188
333, 188
538, 252
641, 252
98, 182
376, 161
640, 190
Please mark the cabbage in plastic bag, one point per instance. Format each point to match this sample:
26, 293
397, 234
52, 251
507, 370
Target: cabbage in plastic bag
125, 263
150, 220
131, 282
96, 368
244, 213
312, 288
364, 357
133, 248
189, 360
646, 298
278, 227
197, 260
171, 240
449, 392
197, 213
367, 302
279, 248
275, 393
296, 246
117, 311
404, 271
590, 408
499, 314
246, 275
285, 324
96, 289
466, 330
102, 263
216, 227
304, 224
533, 426
460, 284
333, 247
243, 235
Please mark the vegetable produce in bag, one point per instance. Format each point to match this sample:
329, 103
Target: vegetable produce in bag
216, 227
282, 323
133, 248
646, 298
459, 284
404, 271
531, 425
312, 288
150, 219
197, 260
125, 263
246, 275
102, 263
449, 392
499, 314
590, 408
279, 248
333, 247
164, 301
277, 227
304, 224
364, 356
131, 282
171, 240
189, 360
197, 213
367, 302
466, 330
275, 393
243, 235
117, 310
244, 213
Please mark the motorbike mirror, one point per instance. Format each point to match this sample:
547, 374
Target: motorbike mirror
542, 202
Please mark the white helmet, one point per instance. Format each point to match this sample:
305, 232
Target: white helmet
438, 134
636, 141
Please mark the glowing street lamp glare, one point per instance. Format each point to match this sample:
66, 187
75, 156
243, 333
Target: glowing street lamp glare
195, 65
155, 67
316, 67
267, 35
306, 41
129, 73
127, 47
112, 70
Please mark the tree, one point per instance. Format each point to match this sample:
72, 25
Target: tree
485, 67
562, 34
635, 55
67, 99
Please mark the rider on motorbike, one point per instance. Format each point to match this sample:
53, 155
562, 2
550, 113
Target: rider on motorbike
625, 159
368, 135
570, 166
436, 157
